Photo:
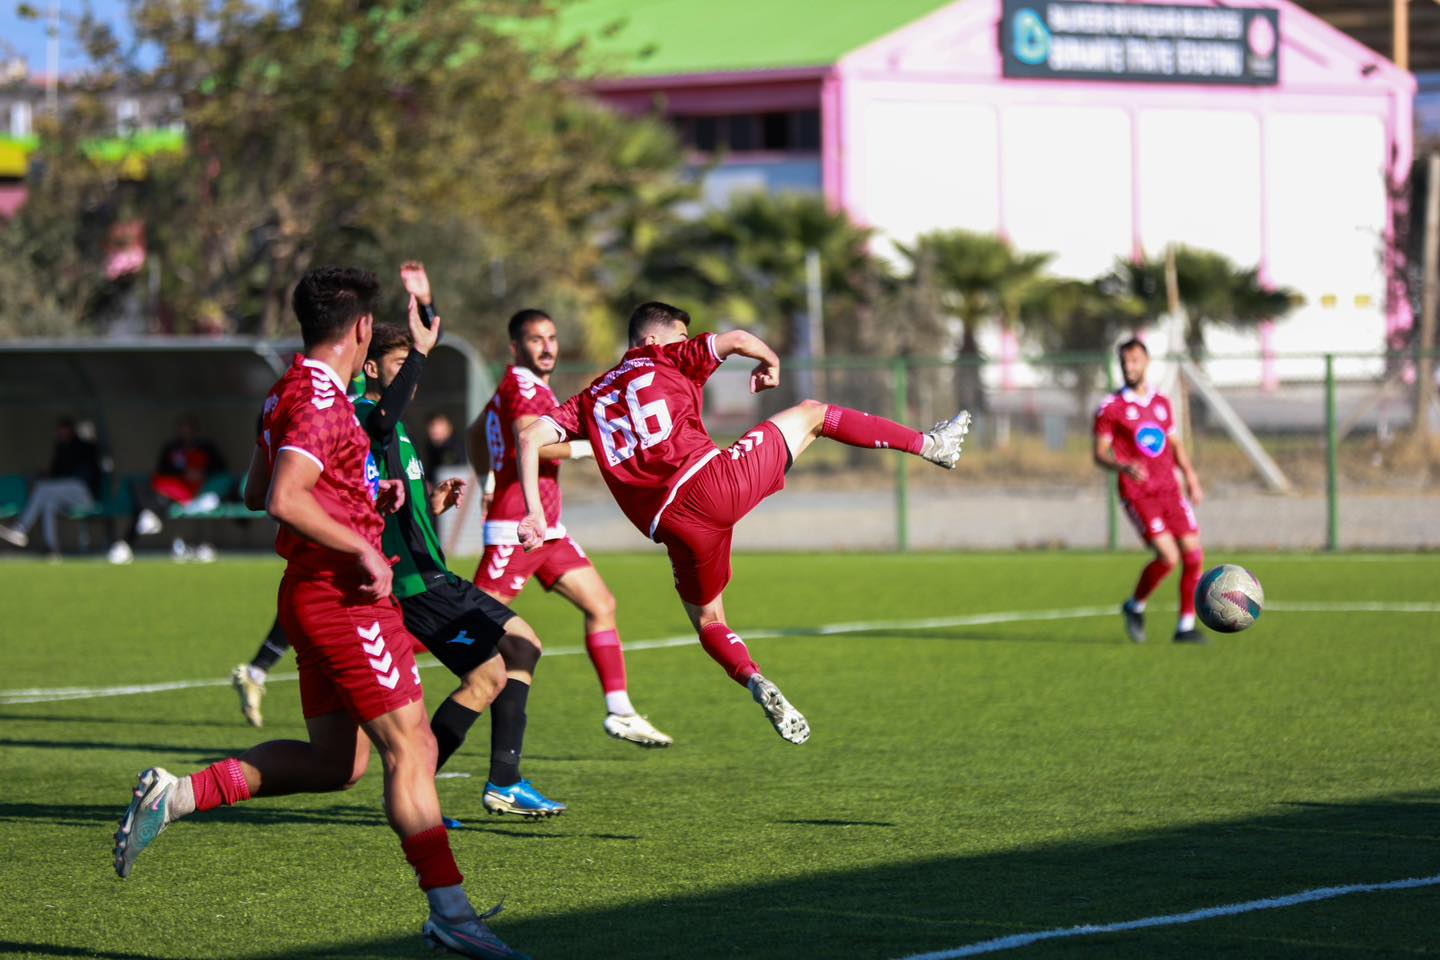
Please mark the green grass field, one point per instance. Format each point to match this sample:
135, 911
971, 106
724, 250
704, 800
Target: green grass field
964, 782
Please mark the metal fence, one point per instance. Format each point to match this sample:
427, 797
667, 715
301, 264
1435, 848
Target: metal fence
1335, 462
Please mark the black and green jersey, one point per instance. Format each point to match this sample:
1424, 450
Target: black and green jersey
410, 531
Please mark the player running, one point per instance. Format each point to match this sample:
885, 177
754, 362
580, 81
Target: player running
313, 472
679, 489
1135, 437
560, 565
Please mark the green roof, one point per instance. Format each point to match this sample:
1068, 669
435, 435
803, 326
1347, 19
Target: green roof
666, 37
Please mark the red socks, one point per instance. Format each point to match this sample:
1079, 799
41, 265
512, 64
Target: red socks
605, 652
220, 783
1155, 571
429, 853
856, 429
1191, 565
729, 651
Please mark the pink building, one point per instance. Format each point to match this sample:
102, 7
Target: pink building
1093, 130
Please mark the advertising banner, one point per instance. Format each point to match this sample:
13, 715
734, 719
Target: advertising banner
1146, 43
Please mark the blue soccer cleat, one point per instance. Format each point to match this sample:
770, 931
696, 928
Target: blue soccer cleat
145, 818
521, 799
469, 937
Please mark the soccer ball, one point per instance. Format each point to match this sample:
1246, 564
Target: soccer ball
1229, 598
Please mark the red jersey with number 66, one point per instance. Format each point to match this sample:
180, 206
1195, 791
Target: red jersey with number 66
307, 412
1139, 429
643, 419
520, 392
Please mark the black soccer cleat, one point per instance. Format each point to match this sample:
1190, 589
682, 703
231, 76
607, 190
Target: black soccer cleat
1134, 623
1190, 636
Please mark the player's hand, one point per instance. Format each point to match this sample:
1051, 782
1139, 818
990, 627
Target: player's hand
1192, 483
447, 494
391, 496
485, 500
1135, 472
416, 281
422, 336
531, 532
764, 377
376, 576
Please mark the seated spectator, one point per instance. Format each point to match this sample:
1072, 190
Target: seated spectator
442, 448
71, 483
185, 464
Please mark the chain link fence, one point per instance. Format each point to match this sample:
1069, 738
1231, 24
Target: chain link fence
1299, 453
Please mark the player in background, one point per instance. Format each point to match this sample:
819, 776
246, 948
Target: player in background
1135, 437
643, 417
312, 471
559, 564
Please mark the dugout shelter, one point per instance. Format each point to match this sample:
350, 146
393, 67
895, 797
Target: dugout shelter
134, 392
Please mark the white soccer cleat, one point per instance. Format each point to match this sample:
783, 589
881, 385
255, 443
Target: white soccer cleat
15, 537
147, 522
251, 693
120, 553
787, 721
205, 553
944, 441
636, 729
146, 817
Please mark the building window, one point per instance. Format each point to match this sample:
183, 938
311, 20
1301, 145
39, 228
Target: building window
127, 116
17, 124
789, 131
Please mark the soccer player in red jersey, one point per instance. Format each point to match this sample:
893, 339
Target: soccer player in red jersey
523, 396
1135, 437
642, 418
313, 471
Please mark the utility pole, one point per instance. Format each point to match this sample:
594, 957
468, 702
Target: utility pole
1430, 302
1400, 34
52, 60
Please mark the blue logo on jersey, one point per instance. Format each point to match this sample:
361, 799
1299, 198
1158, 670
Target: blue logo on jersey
372, 476
1150, 438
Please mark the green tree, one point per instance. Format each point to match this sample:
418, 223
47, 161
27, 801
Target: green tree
1211, 288
1079, 319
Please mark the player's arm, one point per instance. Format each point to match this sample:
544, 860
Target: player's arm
1187, 470
390, 408
564, 450
1105, 459
745, 344
257, 480
539, 434
291, 501
477, 448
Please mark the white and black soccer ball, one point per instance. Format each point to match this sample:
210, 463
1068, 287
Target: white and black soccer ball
1229, 599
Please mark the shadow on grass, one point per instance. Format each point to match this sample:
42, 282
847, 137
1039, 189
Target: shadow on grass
10, 948
900, 909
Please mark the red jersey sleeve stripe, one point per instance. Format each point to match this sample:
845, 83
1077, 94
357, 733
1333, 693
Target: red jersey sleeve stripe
304, 453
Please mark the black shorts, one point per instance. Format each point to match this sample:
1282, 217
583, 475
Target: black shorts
458, 622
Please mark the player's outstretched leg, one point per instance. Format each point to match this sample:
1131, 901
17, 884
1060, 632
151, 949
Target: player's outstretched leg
727, 649
809, 419
505, 790
160, 798
586, 590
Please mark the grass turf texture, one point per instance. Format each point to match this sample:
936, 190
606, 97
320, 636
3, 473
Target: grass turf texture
962, 783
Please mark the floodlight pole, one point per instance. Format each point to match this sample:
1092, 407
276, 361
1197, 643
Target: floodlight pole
1430, 300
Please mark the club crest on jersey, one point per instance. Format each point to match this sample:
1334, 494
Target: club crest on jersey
1132, 414
372, 476
271, 402
1150, 438
415, 471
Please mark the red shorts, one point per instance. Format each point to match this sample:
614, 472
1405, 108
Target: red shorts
698, 527
1166, 513
505, 568
353, 657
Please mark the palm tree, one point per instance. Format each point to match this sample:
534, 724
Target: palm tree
1078, 317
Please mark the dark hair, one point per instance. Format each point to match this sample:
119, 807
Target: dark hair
654, 314
328, 301
1134, 343
517, 322
387, 337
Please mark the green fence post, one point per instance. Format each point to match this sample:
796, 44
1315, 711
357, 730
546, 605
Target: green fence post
902, 464
1332, 459
1112, 484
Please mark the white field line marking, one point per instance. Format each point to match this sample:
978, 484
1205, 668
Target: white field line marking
1173, 919
57, 694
